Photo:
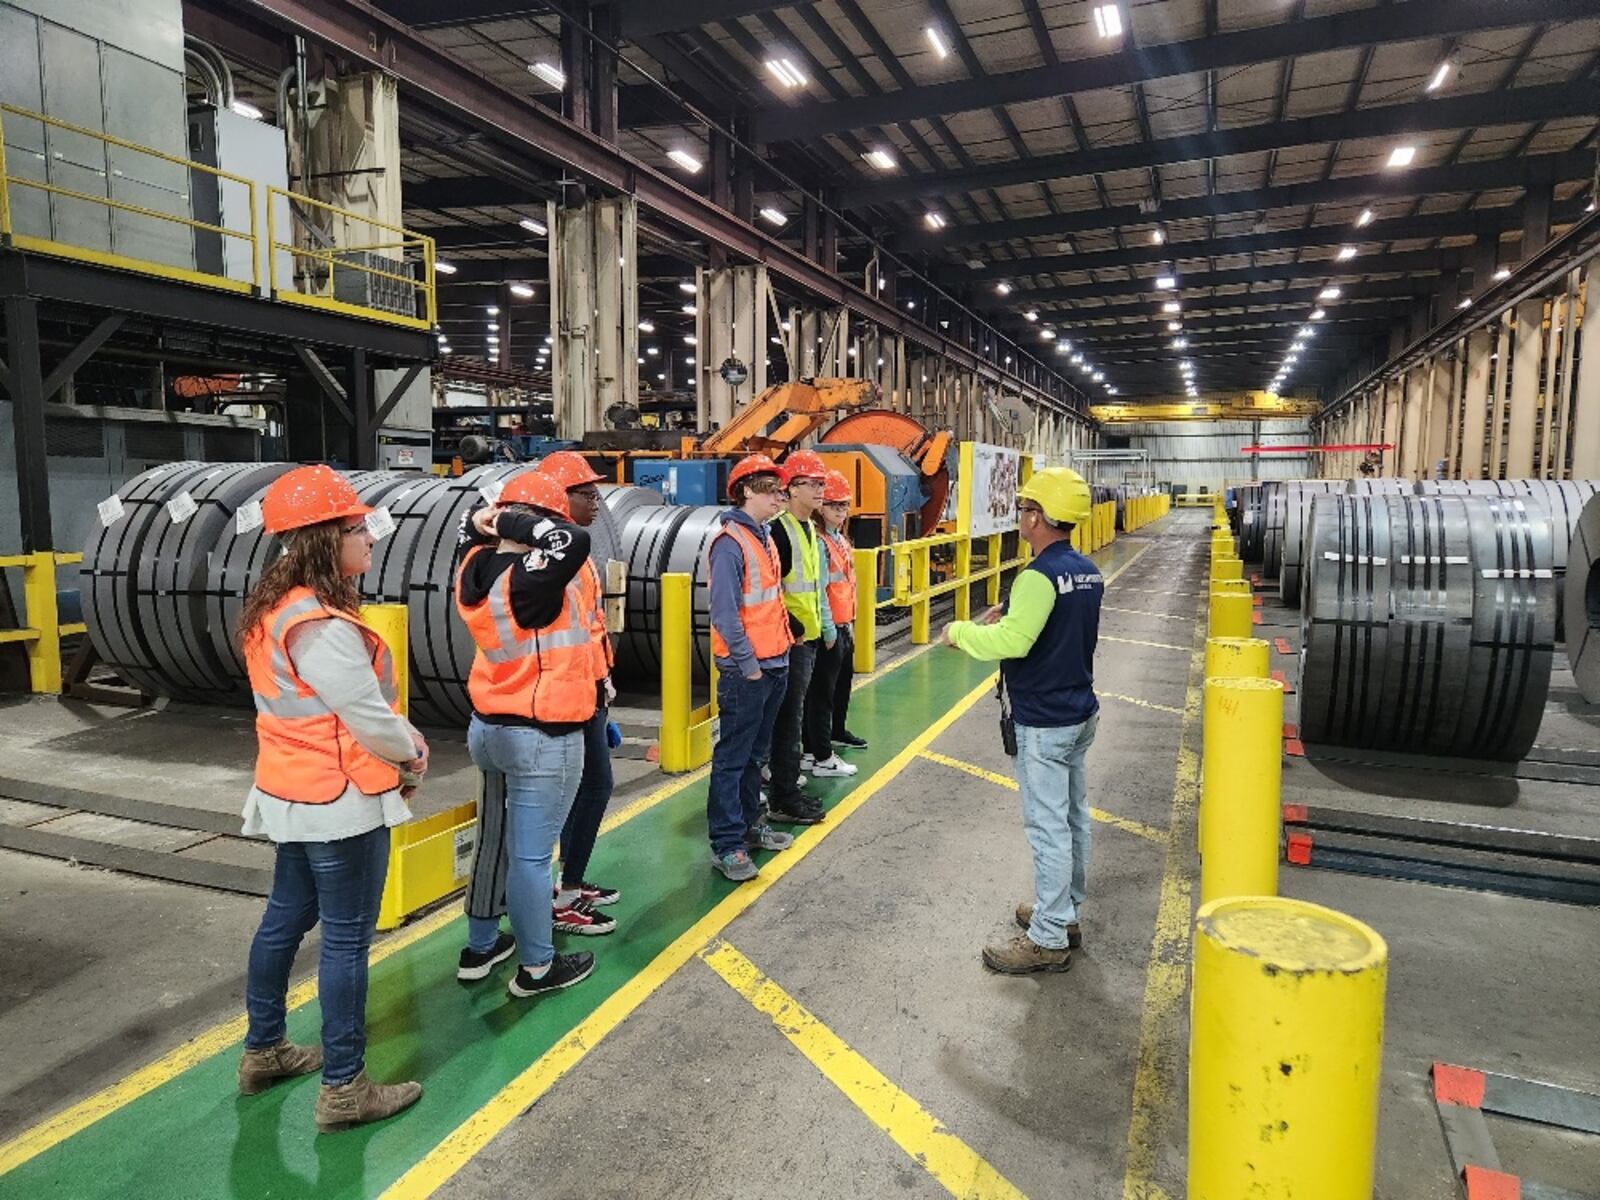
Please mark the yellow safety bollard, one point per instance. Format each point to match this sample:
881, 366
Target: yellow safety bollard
1230, 615
866, 626
1239, 586
1226, 566
1228, 658
1241, 776
1285, 1051
677, 672
388, 621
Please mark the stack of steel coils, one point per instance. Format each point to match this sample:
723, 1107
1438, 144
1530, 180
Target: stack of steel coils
1271, 527
164, 579
1253, 520
1381, 487
1582, 601
1428, 624
1297, 497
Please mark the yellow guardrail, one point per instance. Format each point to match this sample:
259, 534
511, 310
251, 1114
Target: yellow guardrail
317, 271
687, 733
43, 632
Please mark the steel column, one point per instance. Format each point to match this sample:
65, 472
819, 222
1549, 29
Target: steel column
594, 307
26, 386
1527, 357
1436, 423
1586, 390
1475, 408
364, 450
731, 322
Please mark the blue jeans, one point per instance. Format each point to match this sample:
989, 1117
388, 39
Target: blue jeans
582, 829
748, 709
541, 773
1055, 813
339, 883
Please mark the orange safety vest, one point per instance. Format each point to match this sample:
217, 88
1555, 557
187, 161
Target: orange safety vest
592, 601
546, 674
761, 607
306, 754
841, 578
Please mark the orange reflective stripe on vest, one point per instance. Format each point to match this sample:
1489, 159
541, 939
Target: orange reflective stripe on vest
546, 674
305, 753
761, 607
841, 578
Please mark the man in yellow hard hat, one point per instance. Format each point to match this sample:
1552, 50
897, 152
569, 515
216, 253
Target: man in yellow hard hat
1044, 639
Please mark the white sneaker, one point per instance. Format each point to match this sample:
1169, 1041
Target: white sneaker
807, 762
834, 767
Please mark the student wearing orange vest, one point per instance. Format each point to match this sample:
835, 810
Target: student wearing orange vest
533, 691
334, 755
828, 696
750, 640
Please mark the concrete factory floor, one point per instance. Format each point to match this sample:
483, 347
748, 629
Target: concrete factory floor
825, 1031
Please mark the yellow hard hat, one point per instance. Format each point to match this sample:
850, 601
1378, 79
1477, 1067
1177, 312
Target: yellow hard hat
1061, 492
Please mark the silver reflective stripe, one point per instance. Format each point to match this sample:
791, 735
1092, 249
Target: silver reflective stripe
800, 586
754, 593
290, 706
282, 671
511, 648
384, 666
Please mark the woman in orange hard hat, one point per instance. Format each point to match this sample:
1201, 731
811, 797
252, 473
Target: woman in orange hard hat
750, 640
828, 696
533, 690
334, 754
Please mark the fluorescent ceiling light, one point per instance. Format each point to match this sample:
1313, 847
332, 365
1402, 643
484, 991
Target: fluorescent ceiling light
1503, 273
936, 40
1346, 253
690, 340
1047, 334
534, 227
245, 109
494, 327
1328, 293
549, 341
1318, 313
1003, 288
1306, 331
689, 309
651, 350
551, 74
1098, 376
647, 326
494, 339
440, 265
1032, 314
786, 73
1157, 237
1364, 219
1077, 358
911, 305
1174, 326
1401, 156
1111, 391
493, 310
1171, 306
933, 220
1166, 281
1440, 74
775, 217
685, 160
1107, 20
880, 158
1179, 343
687, 287
1467, 303
689, 361
522, 291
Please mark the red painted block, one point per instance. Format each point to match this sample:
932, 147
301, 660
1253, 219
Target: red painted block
1298, 849
1255, 618
1294, 814
1460, 1086
1484, 1184
1290, 729
1294, 749
1256, 600
1282, 645
1288, 688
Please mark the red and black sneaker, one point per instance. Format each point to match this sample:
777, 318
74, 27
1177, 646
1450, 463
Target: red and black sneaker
581, 917
596, 895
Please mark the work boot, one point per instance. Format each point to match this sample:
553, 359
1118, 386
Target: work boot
260, 1069
361, 1101
1025, 919
1023, 956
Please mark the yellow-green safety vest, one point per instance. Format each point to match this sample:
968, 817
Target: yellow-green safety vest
802, 586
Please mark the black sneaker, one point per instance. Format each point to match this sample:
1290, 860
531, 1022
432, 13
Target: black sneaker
582, 917
565, 970
596, 895
802, 813
849, 741
475, 964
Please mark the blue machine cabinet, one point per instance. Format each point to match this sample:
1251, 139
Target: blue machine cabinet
690, 481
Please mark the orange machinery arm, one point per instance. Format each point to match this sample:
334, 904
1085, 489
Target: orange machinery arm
803, 406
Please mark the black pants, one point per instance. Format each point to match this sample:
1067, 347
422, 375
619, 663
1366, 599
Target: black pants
785, 759
828, 697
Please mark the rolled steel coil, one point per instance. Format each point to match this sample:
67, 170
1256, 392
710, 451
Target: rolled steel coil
1272, 517
1297, 497
659, 541
1381, 487
1582, 601
1428, 624
1253, 522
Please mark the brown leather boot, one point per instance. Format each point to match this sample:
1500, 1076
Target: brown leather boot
260, 1069
1025, 919
1023, 956
361, 1101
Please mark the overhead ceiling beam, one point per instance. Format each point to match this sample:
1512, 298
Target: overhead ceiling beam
1486, 175
1299, 292
641, 18
1547, 102
1418, 19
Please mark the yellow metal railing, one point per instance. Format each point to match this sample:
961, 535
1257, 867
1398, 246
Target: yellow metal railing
314, 278
43, 632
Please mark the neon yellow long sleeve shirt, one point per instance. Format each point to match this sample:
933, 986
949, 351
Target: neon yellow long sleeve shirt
1027, 609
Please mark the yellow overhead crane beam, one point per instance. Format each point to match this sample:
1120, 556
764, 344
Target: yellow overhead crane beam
1248, 406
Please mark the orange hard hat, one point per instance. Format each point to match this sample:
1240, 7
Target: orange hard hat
836, 488
752, 464
570, 469
804, 464
538, 489
309, 496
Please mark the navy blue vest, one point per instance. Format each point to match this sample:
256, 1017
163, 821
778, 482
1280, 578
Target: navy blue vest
1054, 685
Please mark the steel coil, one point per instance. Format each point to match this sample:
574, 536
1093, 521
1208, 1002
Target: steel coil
1381, 487
1272, 516
1428, 624
659, 541
1582, 601
1297, 497
1253, 522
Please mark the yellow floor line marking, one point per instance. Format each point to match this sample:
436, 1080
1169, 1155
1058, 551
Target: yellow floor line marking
1106, 637
1141, 612
957, 1166
218, 1038
1166, 708
472, 1135
1160, 1053
1137, 828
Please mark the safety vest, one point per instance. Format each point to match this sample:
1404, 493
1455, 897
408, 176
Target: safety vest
592, 603
761, 606
305, 753
841, 578
802, 586
545, 674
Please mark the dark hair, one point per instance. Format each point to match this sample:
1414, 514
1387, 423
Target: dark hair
736, 489
310, 559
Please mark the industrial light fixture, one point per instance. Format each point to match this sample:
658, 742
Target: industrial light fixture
1077, 359
661, 376
1180, 343
690, 340
1318, 313
773, 216
936, 40
493, 310
1098, 376
1111, 391
687, 287
1306, 332
245, 109
1401, 156
880, 158
689, 360
1107, 20
534, 227
494, 327
1171, 306
548, 340
1346, 253
652, 351
689, 309
911, 305
786, 328
1174, 326
446, 268
1048, 335
1441, 73
1157, 237
522, 291
882, 283
647, 326
1467, 303
1032, 314
1503, 273
551, 74
786, 73
1003, 288
1328, 293
1364, 219
494, 339
685, 160
1062, 347
933, 220
1166, 281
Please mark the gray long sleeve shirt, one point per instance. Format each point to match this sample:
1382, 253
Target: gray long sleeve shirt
727, 586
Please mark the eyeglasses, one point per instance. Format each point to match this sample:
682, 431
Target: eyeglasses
589, 493
358, 527
810, 483
1029, 508
763, 487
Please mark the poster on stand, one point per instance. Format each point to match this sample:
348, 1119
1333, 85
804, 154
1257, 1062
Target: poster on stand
987, 492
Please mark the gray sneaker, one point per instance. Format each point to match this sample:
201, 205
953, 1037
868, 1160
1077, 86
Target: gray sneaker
735, 864
765, 837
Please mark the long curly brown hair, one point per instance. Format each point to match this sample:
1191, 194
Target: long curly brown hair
310, 559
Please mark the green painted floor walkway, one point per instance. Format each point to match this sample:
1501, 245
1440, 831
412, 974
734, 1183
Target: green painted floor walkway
194, 1136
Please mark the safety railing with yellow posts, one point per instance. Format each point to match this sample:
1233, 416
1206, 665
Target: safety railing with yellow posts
374, 265
43, 631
